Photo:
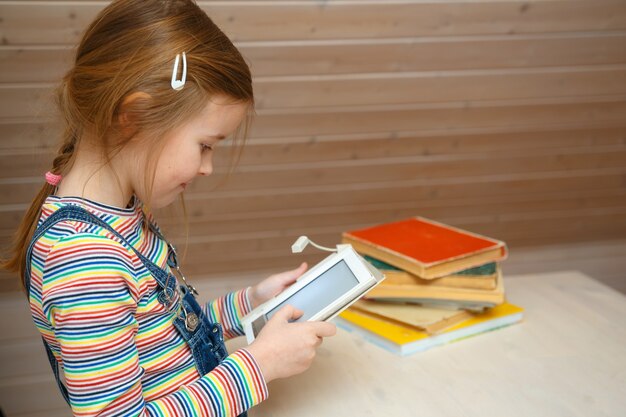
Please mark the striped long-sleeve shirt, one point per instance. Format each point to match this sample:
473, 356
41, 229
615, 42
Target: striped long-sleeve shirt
95, 304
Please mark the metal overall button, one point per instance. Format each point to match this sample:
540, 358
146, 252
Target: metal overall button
190, 318
191, 322
217, 331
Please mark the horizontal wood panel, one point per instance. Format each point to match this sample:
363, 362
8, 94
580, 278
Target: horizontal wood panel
431, 87
31, 161
378, 170
329, 148
31, 102
444, 53
27, 357
214, 221
605, 260
39, 139
381, 89
15, 305
23, 64
403, 191
440, 117
433, 118
223, 224
34, 135
214, 232
572, 227
392, 192
371, 171
38, 388
63, 22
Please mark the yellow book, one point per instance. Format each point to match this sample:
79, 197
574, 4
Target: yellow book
404, 340
426, 319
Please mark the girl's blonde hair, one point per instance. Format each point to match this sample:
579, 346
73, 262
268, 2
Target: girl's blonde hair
130, 47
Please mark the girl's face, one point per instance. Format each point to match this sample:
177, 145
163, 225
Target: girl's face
188, 152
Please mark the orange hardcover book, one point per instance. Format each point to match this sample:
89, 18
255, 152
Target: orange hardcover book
424, 247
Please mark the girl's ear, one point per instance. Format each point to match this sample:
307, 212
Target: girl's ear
129, 110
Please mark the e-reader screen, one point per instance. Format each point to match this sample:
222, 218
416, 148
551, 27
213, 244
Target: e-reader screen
320, 292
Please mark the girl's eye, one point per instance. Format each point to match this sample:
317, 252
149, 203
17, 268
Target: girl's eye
205, 147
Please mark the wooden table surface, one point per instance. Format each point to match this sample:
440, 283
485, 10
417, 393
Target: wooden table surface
567, 358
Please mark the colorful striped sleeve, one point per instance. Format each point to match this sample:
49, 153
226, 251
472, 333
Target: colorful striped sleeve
90, 298
233, 387
228, 311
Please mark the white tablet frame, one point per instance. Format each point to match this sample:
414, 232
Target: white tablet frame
367, 276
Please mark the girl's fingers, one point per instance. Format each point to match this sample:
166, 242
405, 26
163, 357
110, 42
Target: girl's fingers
301, 269
324, 329
291, 276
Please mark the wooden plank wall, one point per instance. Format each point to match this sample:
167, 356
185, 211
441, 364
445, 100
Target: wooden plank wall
503, 117
507, 118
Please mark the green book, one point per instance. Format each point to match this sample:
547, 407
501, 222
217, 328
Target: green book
487, 269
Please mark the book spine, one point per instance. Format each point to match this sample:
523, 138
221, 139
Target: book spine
480, 282
416, 292
386, 255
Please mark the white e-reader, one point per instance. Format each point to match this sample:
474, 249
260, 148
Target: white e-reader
322, 292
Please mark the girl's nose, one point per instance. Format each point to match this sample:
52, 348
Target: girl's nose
206, 168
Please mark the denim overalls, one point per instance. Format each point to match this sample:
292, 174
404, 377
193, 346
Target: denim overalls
205, 339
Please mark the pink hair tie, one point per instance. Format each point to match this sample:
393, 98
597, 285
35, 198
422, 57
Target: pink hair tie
52, 179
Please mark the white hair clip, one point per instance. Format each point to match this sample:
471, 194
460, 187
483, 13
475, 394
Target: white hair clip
178, 84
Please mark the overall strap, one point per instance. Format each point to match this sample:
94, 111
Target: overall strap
73, 212
77, 213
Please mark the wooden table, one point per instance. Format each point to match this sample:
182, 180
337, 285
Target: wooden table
568, 358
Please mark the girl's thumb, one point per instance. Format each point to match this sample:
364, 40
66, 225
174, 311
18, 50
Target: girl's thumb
299, 271
289, 313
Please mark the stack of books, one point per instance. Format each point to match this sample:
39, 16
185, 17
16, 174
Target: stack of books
442, 284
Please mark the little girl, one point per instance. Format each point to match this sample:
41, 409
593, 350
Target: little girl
154, 87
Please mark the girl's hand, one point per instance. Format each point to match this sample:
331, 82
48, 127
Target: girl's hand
284, 348
274, 285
